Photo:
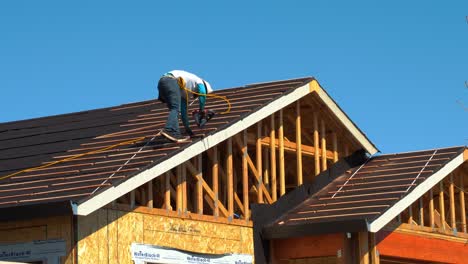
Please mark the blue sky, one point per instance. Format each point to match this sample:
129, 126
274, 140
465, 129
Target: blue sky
397, 68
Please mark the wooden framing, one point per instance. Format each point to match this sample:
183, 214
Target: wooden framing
462, 203
230, 179
298, 143
324, 145
316, 145
273, 159
214, 173
282, 180
442, 205
258, 144
452, 203
245, 176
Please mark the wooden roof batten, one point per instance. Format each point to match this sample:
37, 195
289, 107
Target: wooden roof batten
363, 207
312, 87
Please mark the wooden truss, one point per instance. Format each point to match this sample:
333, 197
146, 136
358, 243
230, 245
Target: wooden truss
258, 165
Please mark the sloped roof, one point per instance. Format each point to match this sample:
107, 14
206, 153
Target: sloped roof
369, 195
96, 154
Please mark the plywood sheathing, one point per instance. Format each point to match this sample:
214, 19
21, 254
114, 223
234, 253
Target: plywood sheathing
111, 232
57, 227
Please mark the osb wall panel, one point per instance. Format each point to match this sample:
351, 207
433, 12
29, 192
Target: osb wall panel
59, 227
106, 235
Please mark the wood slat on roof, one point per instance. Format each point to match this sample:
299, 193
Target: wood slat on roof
362, 194
37, 142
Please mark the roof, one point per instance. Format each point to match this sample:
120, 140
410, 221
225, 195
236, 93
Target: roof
93, 157
368, 196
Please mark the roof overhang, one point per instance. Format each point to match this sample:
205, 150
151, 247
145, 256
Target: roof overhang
108, 195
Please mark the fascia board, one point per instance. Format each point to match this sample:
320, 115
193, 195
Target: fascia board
415, 194
344, 119
114, 192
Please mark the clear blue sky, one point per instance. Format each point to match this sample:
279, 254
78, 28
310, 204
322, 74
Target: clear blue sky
396, 68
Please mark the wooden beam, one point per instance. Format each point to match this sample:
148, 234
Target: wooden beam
453, 222
324, 145
184, 188
291, 147
239, 203
199, 184
421, 212
273, 158
316, 145
375, 258
230, 179
258, 143
214, 172
193, 171
167, 194
462, 203
254, 171
465, 154
282, 180
298, 143
363, 247
410, 214
335, 147
431, 209
245, 176
179, 202
441, 205
150, 194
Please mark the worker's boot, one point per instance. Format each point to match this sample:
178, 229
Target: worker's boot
174, 137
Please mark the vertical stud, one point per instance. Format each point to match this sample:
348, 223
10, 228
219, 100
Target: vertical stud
282, 181
335, 147
245, 175
215, 174
259, 162
462, 203
324, 145
441, 205
273, 159
298, 143
230, 179
452, 203
316, 145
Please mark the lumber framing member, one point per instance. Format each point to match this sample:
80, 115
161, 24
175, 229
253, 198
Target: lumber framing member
324, 145
281, 154
298, 143
441, 205
258, 144
199, 184
245, 176
335, 147
167, 193
431, 209
230, 179
462, 203
316, 145
214, 172
452, 204
273, 159
363, 238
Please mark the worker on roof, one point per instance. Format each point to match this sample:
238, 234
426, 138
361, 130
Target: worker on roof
174, 88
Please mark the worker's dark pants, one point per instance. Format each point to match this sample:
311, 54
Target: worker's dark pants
169, 93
